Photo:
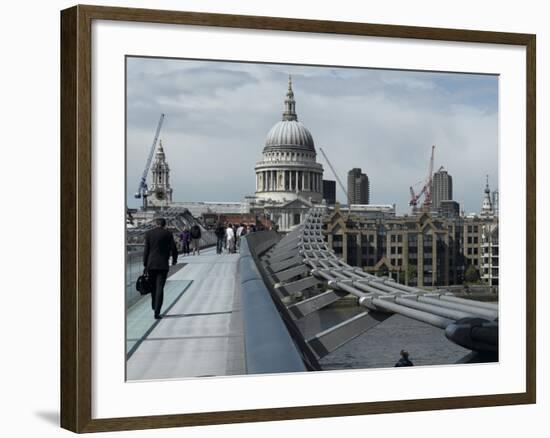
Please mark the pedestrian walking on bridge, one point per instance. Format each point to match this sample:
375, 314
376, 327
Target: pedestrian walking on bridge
185, 239
220, 235
230, 237
239, 233
196, 239
159, 246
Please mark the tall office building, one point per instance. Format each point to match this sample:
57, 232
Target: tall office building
449, 208
329, 191
358, 187
442, 188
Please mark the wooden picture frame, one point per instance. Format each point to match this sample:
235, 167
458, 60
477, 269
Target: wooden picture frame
76, 217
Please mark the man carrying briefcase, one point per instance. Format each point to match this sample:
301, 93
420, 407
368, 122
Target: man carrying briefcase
159, 246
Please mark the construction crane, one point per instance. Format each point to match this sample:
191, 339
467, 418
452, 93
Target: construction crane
426, 189
335, 175
142, 189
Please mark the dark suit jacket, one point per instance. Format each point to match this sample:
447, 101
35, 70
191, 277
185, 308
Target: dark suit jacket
159, 246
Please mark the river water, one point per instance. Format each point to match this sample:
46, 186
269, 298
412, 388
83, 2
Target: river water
379, 347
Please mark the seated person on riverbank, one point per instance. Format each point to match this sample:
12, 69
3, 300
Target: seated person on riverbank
404, 361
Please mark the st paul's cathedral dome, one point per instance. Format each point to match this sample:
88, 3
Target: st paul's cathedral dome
289, 168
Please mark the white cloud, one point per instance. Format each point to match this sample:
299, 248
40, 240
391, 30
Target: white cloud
382, 121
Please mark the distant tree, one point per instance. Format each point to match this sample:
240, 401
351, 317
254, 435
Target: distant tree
471, 275
400, 275
412, 272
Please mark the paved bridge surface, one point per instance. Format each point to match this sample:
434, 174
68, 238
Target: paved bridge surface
201, 331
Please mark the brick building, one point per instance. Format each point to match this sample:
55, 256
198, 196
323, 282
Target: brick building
423, 250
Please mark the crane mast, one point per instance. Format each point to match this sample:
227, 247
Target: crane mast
142, 188
335, 175
426, 189
428, 195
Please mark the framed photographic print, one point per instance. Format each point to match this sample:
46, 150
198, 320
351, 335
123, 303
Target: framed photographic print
260, 214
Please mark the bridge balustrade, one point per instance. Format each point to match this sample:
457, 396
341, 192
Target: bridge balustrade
269, 345
306, 276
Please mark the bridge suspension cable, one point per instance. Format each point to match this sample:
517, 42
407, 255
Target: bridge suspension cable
302, 262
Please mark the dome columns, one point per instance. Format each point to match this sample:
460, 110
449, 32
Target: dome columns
288, 180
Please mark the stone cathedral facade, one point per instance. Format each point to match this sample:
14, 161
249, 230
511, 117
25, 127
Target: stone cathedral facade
288, 178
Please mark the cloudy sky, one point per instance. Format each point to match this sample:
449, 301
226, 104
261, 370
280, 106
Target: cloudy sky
383, 121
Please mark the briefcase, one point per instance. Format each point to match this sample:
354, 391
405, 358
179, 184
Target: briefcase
143, 283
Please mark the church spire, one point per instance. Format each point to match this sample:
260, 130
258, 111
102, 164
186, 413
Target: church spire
160, 149
487, 205
290, 103
160, 189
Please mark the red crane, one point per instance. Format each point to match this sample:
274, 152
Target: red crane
426, 189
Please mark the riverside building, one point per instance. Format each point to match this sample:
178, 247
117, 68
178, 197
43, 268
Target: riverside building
430, 250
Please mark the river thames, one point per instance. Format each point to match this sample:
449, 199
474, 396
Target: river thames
379, 347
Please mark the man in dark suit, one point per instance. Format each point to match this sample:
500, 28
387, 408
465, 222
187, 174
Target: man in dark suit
159, 246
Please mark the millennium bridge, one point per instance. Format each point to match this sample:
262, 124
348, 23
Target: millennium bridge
241, 313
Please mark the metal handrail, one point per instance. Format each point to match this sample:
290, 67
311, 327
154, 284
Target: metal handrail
269, 347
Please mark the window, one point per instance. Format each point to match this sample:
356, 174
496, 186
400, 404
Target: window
428, 239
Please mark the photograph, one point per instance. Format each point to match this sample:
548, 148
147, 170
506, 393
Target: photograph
295, 218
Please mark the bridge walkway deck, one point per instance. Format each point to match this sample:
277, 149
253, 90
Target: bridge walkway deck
201, 332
